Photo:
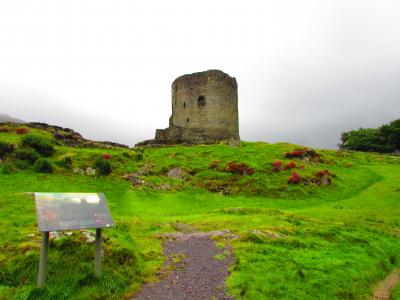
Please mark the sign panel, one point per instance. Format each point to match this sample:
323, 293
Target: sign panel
68, 211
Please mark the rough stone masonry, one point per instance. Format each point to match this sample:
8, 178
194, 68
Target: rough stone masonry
204, 110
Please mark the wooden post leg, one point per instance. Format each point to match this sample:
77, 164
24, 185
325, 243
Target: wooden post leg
43, 259
97, 258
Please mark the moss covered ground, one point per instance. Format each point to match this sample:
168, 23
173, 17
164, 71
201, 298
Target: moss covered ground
294, 241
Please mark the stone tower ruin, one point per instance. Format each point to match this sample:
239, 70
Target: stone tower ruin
204, 110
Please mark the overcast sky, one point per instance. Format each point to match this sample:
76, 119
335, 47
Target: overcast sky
306, 70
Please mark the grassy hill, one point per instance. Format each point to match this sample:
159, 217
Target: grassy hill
332, 234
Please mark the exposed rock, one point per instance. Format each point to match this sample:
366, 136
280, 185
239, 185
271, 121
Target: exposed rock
178, 173
164, 187
78, 171
143, 170
182, 227
325, 180
266, 234
135, 180
90, 171
90, 236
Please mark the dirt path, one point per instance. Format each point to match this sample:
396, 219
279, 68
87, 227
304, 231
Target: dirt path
195, 269
384, 289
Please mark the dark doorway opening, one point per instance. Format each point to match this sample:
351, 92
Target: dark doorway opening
201, 101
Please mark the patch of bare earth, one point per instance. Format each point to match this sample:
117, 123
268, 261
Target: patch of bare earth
195, 269
384, 289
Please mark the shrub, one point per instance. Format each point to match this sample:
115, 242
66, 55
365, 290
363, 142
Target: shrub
295, 178
383, 139
22, 130
27, 154
40, 144
4, 129
66, 162
107, 156
103, 166
42, 165
5, 149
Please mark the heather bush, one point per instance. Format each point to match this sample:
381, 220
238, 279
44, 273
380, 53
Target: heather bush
240, 169
4, 129
295, 178
22, 130
276, 166
289, 166
41, 144
42, 165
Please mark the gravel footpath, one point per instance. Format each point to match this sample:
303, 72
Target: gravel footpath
191, 270
385, 287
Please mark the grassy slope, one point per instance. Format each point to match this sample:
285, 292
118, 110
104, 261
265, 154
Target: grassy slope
336, 241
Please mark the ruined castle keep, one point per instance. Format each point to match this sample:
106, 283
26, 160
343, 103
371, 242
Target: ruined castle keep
204, 110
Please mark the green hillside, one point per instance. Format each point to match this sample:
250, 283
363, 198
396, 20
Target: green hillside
332, 232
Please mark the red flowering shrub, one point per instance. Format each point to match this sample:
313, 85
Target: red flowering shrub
295, 178
22, 130
289, 166
4, 129
323, 173
250, 171
301, 153
241, 169
107, 156
276, 166
214, 164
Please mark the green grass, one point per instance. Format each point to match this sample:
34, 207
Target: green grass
396, 293
295, 241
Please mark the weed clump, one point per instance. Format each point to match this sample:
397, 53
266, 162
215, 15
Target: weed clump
8, 168
40, 144
65, 163
21, 164
28, 154
42, 165
5, 149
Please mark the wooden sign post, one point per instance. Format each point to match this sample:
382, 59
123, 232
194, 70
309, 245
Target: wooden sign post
70, 211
